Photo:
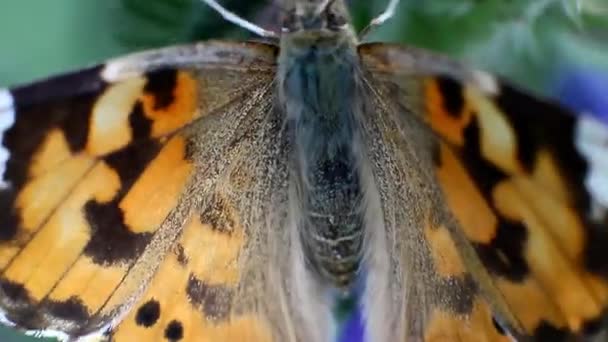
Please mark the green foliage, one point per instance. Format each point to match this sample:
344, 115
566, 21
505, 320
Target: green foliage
522, 39
146, 23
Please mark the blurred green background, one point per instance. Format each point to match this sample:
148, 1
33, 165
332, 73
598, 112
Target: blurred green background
530, 42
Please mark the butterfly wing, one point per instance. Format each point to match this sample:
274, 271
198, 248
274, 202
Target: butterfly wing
110, 199
221, 281
418, 285
524, 180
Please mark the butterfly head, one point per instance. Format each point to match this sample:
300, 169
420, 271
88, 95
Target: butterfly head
313, 25
324, 16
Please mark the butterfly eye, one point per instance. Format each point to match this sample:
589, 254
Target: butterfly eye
290, 21
335, 21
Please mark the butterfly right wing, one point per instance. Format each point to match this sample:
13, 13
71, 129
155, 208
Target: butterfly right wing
418, 285
525, 180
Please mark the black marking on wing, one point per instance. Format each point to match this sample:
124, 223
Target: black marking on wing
504, 255
547, 332
541, 124
22, 311
15, 292
213, 300
486, 175
64, 86
72, 310
148, 314
161, 85
174, 331
452, 95
141, 126
131, 162
112, 241
596, 260
9, 220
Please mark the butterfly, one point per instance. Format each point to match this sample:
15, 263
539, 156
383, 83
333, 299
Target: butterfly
243, 191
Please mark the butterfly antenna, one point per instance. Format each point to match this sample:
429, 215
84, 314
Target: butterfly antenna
388, 13
235, 19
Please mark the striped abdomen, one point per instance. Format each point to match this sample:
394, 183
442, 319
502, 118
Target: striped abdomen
318, 92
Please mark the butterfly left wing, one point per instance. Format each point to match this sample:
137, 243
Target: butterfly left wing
98, 208
525, 181
221, 280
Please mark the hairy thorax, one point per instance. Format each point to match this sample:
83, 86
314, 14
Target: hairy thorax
318, 88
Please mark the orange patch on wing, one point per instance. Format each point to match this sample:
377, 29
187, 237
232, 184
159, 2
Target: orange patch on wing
91, 283
464, 199
446, 124
109, 125
158, 188
60, 241
53, 150
178, 113
41, 195
530, 303
477, 326
218, 264
37, 200
553, 249
547, 175
174, 301
446, 258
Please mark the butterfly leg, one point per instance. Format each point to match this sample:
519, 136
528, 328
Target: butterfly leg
388, 13
235, 19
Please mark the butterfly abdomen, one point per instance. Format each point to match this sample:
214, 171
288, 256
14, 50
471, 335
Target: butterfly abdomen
318, 89
331, 223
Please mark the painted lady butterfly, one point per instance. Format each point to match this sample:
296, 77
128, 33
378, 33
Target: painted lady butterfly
241, 191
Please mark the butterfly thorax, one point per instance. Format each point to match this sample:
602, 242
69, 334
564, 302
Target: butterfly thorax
317, 81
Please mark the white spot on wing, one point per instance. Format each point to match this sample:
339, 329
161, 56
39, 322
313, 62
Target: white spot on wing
486, 82
7, 119
61, 336
118, 70
4, 320
591, 140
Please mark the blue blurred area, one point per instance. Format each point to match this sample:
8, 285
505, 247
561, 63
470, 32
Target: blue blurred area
353, 328
584, 89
